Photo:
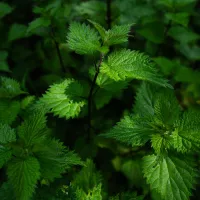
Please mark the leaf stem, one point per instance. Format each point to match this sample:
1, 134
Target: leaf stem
58, 51
108, 13
97, 67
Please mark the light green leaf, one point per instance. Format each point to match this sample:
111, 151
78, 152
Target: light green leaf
94, 194
17, 31
126, 64
61, 102
23, 175
8, 111
83, 39
38, 23
87, 178
5, 9
117, 35
7, 134
171, 176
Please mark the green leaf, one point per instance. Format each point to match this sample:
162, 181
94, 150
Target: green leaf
38, 23
94, 194
176, 4
8, 111
99, 28
182, 34
5, 9
64, 105
117, 35
186, 135
7, 134
87, 178
191, 52
33, 129
166, 65
23, 176
129, 132
6, 192
51, 152
127, 64
101, 98
9, 88
17, 31
83, 39
171, 176
181, 18
5, 155
27, 101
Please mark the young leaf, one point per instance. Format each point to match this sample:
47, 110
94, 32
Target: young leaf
61, 102
171, 176
127, 64
99, 28
94, 194
83, 39
117, 35
23, 175
6, 134
87, 178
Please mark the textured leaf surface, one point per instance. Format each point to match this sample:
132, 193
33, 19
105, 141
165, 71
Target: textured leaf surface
8, 111
127, 64
7, 134
57, 101
83, 39
172, 177
5, 155
9, 88
117, 35
23, 176
33, 129
129, 132
54, 158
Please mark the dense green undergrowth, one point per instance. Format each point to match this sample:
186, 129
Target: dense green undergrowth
99, 100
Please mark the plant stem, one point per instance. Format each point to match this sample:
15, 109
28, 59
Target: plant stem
109, 14
58, 51
91, 94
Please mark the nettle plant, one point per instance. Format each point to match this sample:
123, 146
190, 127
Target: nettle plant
30, 155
